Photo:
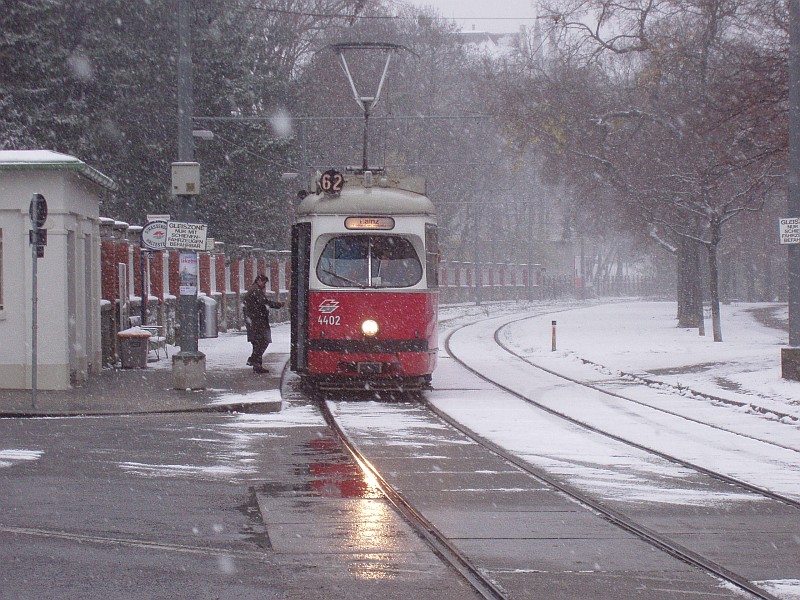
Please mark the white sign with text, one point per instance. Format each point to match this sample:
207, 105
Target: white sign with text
186, 236
790, 230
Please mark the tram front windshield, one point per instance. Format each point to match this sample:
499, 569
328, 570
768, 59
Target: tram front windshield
377, 261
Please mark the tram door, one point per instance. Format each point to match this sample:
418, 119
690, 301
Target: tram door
301, 261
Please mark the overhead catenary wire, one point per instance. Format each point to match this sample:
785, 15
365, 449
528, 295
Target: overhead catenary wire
350, 118
253, 154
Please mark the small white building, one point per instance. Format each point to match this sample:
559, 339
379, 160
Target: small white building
68, 276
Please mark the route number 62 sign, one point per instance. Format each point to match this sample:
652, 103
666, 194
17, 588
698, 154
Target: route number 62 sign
331, 182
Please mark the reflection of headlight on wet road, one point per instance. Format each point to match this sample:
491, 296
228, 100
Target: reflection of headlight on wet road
374, 527
369, 328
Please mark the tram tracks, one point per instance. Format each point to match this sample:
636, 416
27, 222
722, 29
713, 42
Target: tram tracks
477, 576
652, 537
438, 542
651, 383
738, 482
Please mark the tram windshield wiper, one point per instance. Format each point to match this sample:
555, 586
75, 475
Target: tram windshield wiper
345, 279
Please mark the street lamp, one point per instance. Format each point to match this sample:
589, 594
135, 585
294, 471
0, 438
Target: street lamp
203, 134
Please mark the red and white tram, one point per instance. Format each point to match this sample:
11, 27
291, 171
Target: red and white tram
364, 284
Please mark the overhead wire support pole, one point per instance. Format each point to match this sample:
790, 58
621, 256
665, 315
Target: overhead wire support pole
188, 365
793, 200
790, 357
186, 209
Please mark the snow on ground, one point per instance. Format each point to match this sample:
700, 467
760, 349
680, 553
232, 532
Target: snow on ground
10, 457
641, 338
634, 337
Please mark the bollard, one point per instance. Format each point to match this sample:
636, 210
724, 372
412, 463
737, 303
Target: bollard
554, 337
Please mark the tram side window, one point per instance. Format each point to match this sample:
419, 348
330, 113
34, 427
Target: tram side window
369, 261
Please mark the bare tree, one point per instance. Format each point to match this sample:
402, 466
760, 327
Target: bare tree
645, 106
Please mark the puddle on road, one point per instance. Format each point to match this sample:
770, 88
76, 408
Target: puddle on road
362, 530
332, 474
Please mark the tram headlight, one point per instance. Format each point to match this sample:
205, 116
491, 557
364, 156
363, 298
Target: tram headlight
369, 328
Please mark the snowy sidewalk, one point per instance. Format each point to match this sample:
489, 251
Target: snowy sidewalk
230, 385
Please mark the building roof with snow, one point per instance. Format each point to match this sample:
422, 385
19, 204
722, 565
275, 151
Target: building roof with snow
20, 160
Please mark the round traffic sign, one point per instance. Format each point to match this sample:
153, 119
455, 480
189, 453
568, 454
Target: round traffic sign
154, 235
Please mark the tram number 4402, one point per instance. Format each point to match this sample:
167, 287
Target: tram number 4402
328, 320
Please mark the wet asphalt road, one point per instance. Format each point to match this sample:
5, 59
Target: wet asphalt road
199, 506
204, 505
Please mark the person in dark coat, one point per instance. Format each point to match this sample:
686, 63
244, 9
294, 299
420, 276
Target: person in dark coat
256, 319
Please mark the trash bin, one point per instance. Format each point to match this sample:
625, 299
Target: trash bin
207, 317
133, 346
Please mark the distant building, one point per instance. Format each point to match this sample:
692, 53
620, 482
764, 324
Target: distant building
527, 42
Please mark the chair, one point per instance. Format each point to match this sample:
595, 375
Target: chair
157, 340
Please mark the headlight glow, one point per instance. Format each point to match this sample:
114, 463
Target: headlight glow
369, 328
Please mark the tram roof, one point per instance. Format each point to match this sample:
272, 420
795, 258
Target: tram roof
355, 199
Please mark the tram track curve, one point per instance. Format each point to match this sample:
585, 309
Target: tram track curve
472, 572
654, 538
674, 459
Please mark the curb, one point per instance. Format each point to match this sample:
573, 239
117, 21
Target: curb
235, 407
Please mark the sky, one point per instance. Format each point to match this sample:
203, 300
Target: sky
504, 16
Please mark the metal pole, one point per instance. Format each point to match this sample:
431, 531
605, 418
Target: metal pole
185, 91
365, 162
143, 275
530, 251
477, 258
187, 303
34, 316
794, 169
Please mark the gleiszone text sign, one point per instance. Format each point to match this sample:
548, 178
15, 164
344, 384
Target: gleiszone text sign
790, 230
186, 236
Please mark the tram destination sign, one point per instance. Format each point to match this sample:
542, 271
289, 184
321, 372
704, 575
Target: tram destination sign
789, 230
374, 223
186, 236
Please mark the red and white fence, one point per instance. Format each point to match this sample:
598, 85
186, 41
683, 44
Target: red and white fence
226, 272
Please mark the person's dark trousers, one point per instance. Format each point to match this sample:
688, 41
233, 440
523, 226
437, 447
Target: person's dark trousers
258, 354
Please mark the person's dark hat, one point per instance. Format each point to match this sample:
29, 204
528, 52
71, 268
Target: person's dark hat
262, 277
